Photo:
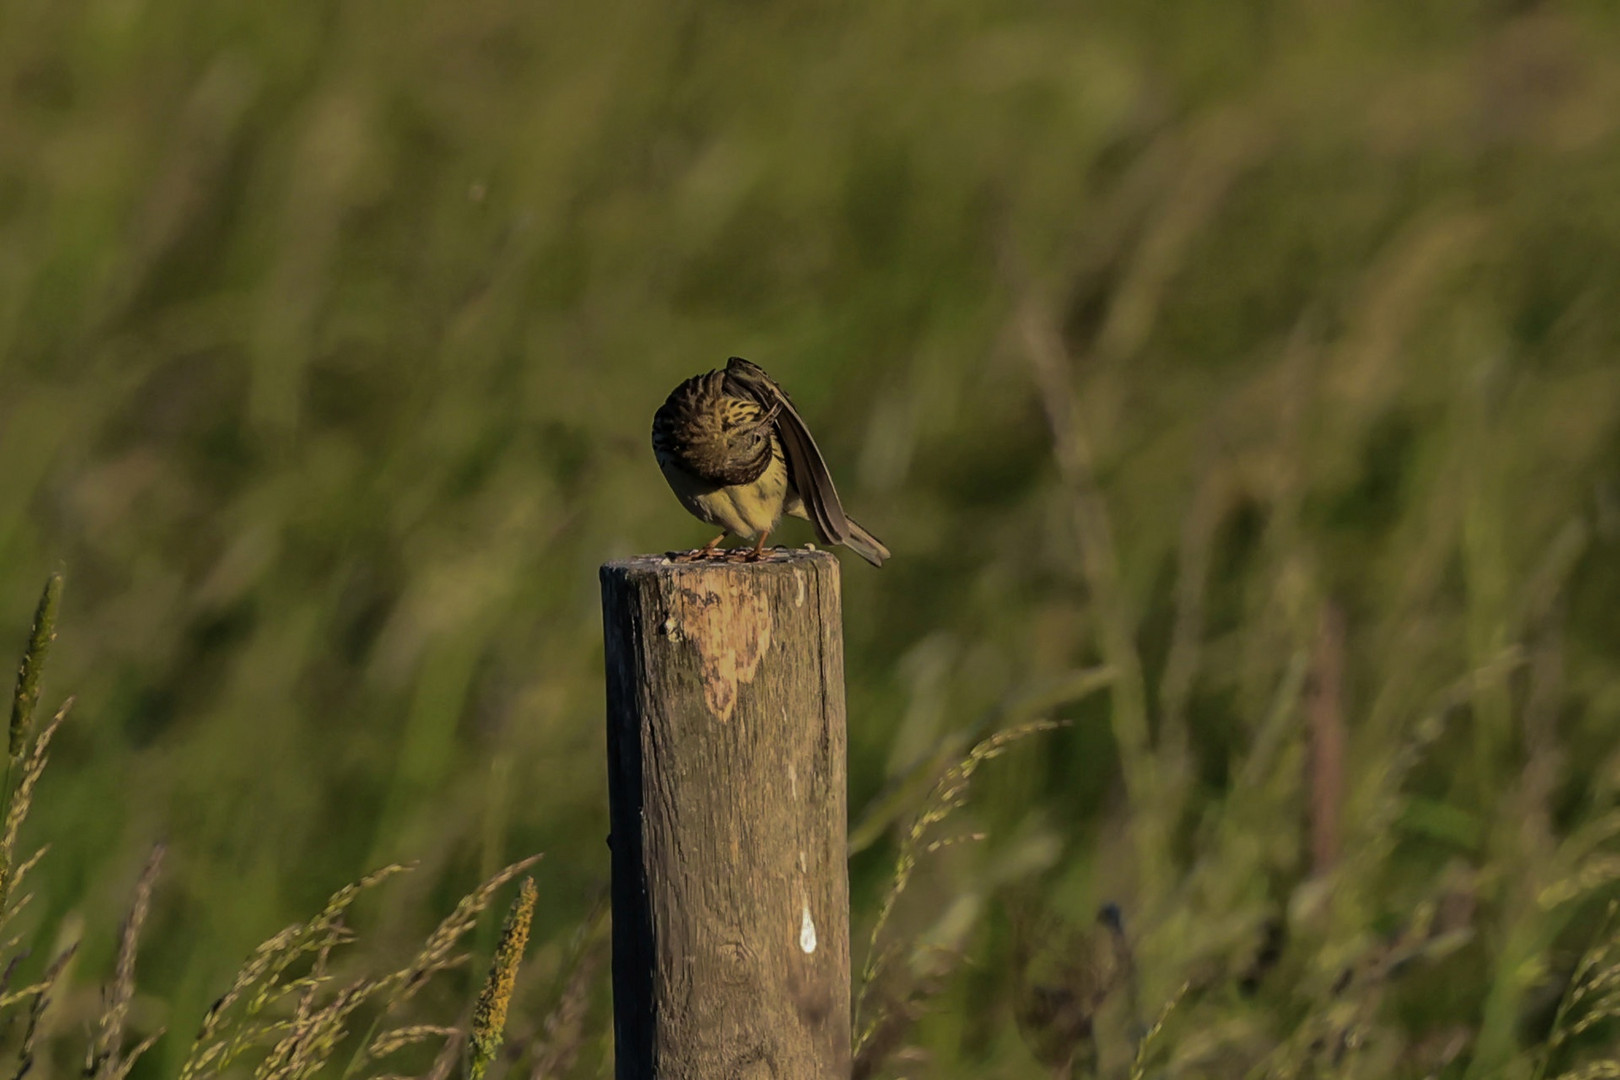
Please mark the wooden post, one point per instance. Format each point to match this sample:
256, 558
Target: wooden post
726, 785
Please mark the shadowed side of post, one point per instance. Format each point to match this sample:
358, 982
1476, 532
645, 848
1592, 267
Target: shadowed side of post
726, 783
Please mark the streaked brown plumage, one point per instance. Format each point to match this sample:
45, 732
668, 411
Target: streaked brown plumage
738, 455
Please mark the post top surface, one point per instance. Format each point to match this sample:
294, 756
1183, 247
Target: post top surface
774, 559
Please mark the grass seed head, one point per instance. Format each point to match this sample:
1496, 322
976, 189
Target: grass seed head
489, 1015
26, 697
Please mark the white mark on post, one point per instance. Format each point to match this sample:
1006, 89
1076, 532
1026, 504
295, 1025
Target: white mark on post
807, 931
793, 779
672, 629
798, 579
804, 868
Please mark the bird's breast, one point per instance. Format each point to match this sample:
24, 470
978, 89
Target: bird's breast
744, 510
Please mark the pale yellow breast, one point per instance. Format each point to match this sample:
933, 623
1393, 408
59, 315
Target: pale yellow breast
744, 510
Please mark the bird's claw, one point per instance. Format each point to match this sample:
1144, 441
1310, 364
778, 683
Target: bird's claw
698, 555
736, 555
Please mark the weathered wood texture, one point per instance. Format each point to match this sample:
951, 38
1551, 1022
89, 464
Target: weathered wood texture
726, 746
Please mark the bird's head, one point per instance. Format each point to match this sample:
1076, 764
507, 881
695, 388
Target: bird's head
715, 434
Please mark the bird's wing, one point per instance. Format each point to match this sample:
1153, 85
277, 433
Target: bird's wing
806, 468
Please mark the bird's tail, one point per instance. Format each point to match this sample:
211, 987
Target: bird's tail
865, 544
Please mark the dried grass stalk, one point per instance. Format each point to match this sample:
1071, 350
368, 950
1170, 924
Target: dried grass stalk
41, 992
17, 812
949, 795
103, 1060
438, 952
238, 1021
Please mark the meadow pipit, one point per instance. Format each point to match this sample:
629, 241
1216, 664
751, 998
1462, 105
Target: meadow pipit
738, 455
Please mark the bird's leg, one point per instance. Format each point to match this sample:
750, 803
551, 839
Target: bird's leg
759, 548
707, 551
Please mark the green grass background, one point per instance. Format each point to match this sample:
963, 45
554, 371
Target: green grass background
1144, 332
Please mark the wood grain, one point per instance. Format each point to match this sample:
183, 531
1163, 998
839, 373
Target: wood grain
726, 783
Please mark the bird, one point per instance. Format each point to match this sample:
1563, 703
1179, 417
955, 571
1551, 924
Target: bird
738, 455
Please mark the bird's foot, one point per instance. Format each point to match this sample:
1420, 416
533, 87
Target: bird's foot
757, 552
700, 554
711, 550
